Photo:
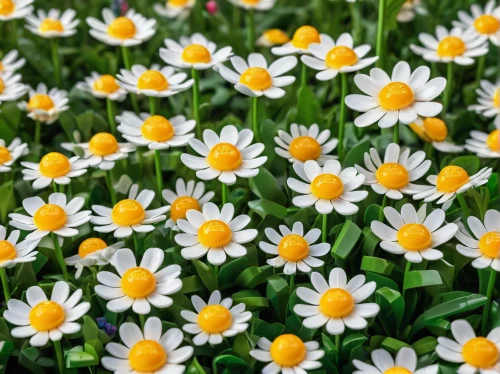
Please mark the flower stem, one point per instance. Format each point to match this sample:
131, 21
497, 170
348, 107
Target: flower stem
38, 132
481, 64
251, 30
487, 306
196, 101
355, 22
59, 256
59, 356
342, 116
449, 87
407, 269
324, 233
136, 243
128, 66
54, 46
291, 284
5, 284
465, 209
255, 126
159, 181
337, 344
141, 320
225, 193
303, 76
384, 204
54, 186
381, 34
152, 105
395, 136
110, 106
111, 189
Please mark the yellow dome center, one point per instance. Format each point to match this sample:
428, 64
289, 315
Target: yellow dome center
181, 205
435, 129
293, 247
250, 2
304, 36
395, 96
414, 237
7, 251
2, 85
91, 245
288, 350
147, 356
451, 178
276, 36
397, 370
106, 83
214, 319
6, 7
224, 156
451, 46
327, 186
336, 303
50, 24
1, 66
40, 101
128, 212
54, 165
122, 28
157, 129
341, 56
4, 155
489, 244
152, 80
256, 79
214, 234
195, 54
177, 2
103, 144
480, 353
493, 141
486, 24
46, 316
50, 217
392, 175
496, 98
304, 148
138, 282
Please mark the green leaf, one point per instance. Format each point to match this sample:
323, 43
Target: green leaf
393, 345
192, 284
264, 185
277, 292
265, 207
206, 275
471, 164
376, 265
231, 362
253, 276
392, 307
422, 278
356, 154
392, 8
308, 108
346, 240
425, 345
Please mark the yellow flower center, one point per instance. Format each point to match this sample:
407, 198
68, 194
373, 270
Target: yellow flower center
480, 353
1, 66
40, 101
177, 2
496, 98
288, 350
250, 2
91, 245
489, 244
50, 217
4, 155
152, 80
395, 96
106, 83
392, 175
6, 7
493, 141
293, 247
196, 53
122, 28
336, 303
451, 46
157, 129
276, 36
451, 178
2, 85
256, 79
397, 370
215, 319
54, 165
435, 129
214, 234
414, 237
128, 212
138, 282
147, 356
327, 186
181, 205
103, 144
341, 56
304, 36
304, 148
50, 24
486, 24
46, 316
7, 251
224, 156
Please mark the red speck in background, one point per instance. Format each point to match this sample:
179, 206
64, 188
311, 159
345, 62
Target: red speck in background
212, 6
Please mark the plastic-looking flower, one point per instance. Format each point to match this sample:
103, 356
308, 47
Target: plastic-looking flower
415, 234
12, 252
260, 5
10, 62
45, 106
148, 352
227, 157
484, 145
272, 37
484, 243
56, 217
288, 354
175, 8
484, 22
293, 249
457, 45
194, 52
129, 215
336, 303
54, 167
255, 78
92, 251
15, 9
405, 363
476, 354
488, 101
215, 320
451, 181
155, 132
103, 87
10, 154
327, 188
187, 196
332, 58
214, 233
434, 130
303, 144
128, 30
302, 38
43, 319
140, 286
102, 151
53, 24
409, 11
10, 88
395, 175
402, 97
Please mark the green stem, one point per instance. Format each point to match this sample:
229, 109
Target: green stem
251, 30
136, 243
342, 116
128, 66
54, 186
337, 344
109, 184
60, 256
142, 321
303, 76
5, 284
428, 149
110, 106
381, 34
152, 105
324, 228
255, 126
291, 284
14, 33
196, 101
54, 46
159, 181
38, 132
395, 136
225, 193
463, 205
355, 22
236, 17
407, 269
59, 356
384, 204
481, 64
487, 306
449, 87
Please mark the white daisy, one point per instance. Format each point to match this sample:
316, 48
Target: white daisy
293, 249
175, 8
10, 154
214, 233
12, 252
302, 38
260, 5
409, 11
129, 215
45, 106
402, 97
226, 157
484, 22
43, 319
272, 37
434, 130
10, 62
10, 88
53, 24
484, 145
15, 9
103, 86
148, 352
215, 320
488, 101
336, 303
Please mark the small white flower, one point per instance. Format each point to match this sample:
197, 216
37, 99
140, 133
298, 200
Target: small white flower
12, 252
10, 154
272, 37
260, 5
53, 24
45, 106
15, 9
10, 62
484, 22
175, 8
488, 101
103, 87
10, 88
302, 38
484, 145
409, 11
434, 130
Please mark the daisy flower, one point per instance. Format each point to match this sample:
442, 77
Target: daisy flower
332, 58
12, 252
402, 97
457, 45
43, 319
451, 181
484, 145
148, 352
409, 11
484, 22
272, 37
188, 195
103, 87
476, 354
484, 243
175, 8
336, 303
45, 106
128, 30
434, 130
260, 5
293, 249
215, 320
302, 38
54, 167
214, 233
194, 52
414, 234
328, 188
10, 62
102, 150
303, 144
10, 88
488, 101
406, 362
288, 354
58, 216
156, 132
255, 78
129, 215
226, 157
53, 24
15, 9
10, 154
140, 286
395, 175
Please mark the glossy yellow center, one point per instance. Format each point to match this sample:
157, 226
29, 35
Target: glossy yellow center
147, 356
392, 175
152, 80
341, 56
6, 7
40, 101
138, 282
435, 129
54, 165
327, 186
451, 178
489, 244
304, 36
493, 141
293, 247
181, 205
395, 96
128, 212
4, 155
50, 217
214, 319
7, 251
50, 24
103, 144
451, 46
2, 85
224, 156
276, 36
91, 245
256, 79
397, 370
177, 2
496, 98
288, 350
336, 303
46, 316
196, 53
214, 234
304, 148
157, 129
250, 2
106, 83
1, 66
480, 353
486, 24
122, 28
414, 237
